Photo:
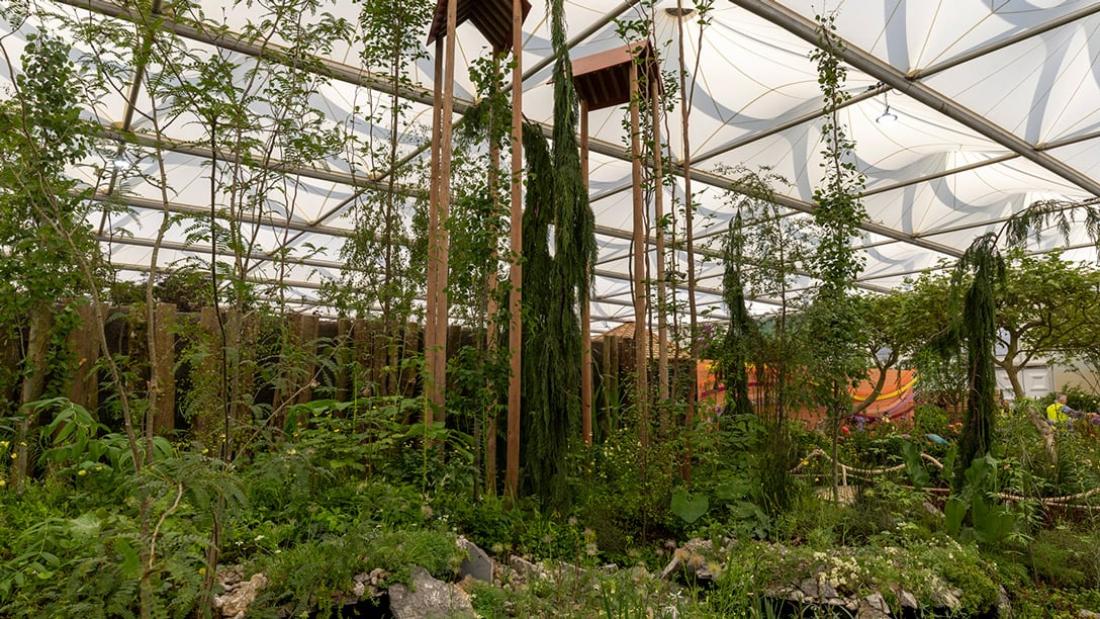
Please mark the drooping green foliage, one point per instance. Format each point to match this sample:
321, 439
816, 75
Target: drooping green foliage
575, 223
554, 282
736, 345
548, 411
979, 332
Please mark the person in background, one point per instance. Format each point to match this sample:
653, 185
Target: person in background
1059, 412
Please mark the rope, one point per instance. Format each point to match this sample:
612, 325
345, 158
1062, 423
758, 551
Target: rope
1062, 501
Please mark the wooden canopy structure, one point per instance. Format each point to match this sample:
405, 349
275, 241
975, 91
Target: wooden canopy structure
603, 80
492, 18
608, 79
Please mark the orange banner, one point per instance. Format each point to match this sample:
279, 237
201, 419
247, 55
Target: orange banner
894, 401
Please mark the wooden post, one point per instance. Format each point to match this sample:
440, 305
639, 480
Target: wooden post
209, 374
641, 390
658, 215
614, 382
515, 340
586, 305
377, 343
605, 374
341, 377
432, 300
163, 367
492, 286
84, 386
359, 372
443, 197
307, 327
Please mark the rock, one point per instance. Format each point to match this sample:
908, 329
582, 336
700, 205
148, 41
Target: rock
525, 568
907, 600
428, 598
867, 612
876, 601
932, 509
787, 593
1088, 614
477, 563
1004, 604
818, 588
367, 585
873, 607
947, 598
237, 598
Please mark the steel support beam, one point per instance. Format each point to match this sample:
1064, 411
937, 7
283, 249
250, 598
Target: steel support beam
232, 41
805, 29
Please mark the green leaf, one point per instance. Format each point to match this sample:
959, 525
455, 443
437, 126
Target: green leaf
131, 565
954, 512
689, 506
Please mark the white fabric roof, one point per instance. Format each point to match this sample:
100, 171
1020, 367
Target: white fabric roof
998, 105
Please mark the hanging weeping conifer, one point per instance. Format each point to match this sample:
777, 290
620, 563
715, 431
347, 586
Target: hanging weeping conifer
554, 284
549, 413
735, 347
979, 332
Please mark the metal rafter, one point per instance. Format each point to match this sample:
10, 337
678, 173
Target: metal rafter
235, 42
275, 222
874, 91
805, 29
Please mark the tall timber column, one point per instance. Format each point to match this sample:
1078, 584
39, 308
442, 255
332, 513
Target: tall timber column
439, 386
434, 190
586, 305
641, 378
488, 16
609, 79
515, 276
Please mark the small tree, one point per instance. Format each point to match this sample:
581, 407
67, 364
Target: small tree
1044, 303
838, 215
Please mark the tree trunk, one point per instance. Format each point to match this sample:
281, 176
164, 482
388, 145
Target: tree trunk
34, 382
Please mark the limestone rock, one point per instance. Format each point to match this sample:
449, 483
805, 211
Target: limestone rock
818, 588
428, 598
932, 509
908, 600
525, 569
873, 606
477, 564
239, 595
1004, 603
947, 598
1088, 614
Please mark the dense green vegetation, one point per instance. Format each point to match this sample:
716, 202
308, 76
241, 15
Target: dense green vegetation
289, 458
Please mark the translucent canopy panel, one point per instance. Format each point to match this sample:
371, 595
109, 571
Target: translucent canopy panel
962, 114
